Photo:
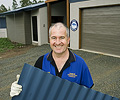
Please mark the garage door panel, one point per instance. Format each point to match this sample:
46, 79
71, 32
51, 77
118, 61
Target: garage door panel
101, 11
111, 39
101, 44
101, 29
106, 49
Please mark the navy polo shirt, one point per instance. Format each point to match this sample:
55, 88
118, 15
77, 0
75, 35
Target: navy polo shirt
74, 70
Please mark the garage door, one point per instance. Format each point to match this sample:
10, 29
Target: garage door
100, 29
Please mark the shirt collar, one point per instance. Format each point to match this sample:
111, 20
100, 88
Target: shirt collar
71, 58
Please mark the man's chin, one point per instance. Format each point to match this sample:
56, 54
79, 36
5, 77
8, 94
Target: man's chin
58, 52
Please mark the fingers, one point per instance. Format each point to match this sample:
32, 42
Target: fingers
15, 85
17, 77
15, 89
15, 92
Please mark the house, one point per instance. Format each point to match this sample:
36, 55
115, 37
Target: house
94, 24
3, 30
24, 25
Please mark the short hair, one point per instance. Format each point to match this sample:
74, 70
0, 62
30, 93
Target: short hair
59, 25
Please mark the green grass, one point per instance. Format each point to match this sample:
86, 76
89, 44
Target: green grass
6, 44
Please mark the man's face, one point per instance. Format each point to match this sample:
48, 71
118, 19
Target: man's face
59, 40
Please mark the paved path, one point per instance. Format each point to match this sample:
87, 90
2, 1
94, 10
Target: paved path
105, 70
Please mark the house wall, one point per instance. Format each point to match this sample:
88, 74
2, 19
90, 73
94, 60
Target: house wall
3, 33
15, 27
19, 27
74, 14
42, 25
3, 30
27, 27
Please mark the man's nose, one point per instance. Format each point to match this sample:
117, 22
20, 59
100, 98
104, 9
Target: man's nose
58, 41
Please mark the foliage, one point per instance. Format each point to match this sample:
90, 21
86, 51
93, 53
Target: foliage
34, 2
14, 5
40, 1
29, 2
3, 8
9, 8
25, 3
6, 44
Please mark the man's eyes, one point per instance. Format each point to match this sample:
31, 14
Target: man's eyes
53, 37
62, 37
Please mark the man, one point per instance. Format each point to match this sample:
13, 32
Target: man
61, 61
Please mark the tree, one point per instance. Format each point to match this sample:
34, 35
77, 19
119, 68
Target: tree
14, 5
25, 3
34, 2
40, 1
9, 8
3, 8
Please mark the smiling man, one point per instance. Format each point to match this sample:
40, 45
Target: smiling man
61, 61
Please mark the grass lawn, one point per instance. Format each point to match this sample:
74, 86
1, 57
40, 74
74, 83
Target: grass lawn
6, 44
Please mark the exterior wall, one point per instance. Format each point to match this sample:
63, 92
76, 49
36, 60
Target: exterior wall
3, 33
3, 29
27, 27
19, 27
42, 24
15, 27
74, 14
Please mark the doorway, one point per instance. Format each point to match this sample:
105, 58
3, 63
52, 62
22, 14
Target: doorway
34, 27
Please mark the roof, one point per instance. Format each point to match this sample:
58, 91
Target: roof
27, 8
35, 6
40, 85
72, 1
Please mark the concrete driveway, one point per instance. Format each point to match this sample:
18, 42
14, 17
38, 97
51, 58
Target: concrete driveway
105, 70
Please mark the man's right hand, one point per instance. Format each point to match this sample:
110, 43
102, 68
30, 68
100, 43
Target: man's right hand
15, 88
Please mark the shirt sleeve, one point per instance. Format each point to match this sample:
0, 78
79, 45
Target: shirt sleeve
86, 77
39, 62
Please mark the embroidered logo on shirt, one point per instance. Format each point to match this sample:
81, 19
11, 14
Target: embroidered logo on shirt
72, 75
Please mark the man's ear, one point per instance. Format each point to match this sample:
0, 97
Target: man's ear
68, 40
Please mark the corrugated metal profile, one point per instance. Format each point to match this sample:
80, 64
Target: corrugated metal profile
40, 85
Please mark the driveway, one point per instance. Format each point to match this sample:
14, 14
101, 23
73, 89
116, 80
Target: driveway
105, 70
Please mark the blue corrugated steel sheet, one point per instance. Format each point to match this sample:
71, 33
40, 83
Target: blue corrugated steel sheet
40, 85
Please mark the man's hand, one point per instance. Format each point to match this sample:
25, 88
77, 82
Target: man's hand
15, 87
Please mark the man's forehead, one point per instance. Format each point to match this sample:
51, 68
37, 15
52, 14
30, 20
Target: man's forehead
60, 27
